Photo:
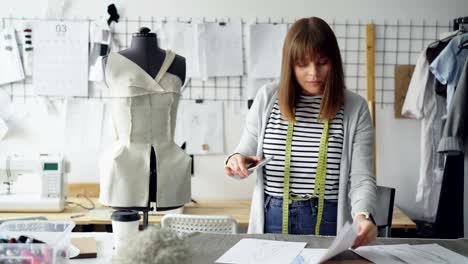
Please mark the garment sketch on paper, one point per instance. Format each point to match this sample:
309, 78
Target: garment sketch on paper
203, 127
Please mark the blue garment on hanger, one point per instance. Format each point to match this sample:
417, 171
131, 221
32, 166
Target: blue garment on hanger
448, 65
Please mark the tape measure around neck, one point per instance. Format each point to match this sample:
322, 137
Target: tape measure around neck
319, 185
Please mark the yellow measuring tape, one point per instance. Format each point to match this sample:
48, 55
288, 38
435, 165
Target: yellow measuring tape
319, 186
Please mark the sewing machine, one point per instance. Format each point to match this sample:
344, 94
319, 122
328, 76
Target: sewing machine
32, 184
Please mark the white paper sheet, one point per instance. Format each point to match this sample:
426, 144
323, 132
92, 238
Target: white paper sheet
309, 256
404, 253
61, 58
377, 255
202, 125
258, 251
220, 49
265, 46
438, 253
343, 240
182, 39
83, 125
11, 67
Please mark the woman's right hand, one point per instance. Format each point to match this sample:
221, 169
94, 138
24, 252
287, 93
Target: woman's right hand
237, 165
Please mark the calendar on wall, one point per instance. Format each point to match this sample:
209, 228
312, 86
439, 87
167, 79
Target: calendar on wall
60, 58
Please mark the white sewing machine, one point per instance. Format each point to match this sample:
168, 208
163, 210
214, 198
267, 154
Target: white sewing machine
32, 184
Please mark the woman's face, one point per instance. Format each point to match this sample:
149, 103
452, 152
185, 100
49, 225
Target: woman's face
312, 75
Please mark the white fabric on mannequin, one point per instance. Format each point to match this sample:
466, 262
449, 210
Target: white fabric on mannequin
144, 115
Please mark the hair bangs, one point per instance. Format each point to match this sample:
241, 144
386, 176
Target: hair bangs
308, 45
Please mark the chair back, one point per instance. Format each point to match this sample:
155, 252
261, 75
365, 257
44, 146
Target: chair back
185, 224
384, 210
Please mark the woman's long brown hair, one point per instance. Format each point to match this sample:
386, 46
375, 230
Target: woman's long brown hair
306, 39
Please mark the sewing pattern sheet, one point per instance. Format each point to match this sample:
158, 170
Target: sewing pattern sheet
220, 49
11, 68
249, 250
182, 39
61, 58
404, 253
201, 126
265, 46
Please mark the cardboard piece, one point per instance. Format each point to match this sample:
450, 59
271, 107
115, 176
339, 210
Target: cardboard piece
403, 75
86, 245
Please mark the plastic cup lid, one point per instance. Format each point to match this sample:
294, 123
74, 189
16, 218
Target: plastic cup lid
125, 216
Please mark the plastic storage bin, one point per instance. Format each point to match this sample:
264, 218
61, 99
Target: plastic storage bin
55, 234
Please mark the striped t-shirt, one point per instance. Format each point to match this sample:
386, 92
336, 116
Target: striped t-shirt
305, 149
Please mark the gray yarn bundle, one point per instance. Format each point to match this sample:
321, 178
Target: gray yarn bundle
153, 245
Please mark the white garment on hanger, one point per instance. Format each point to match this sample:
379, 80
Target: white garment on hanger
420, 103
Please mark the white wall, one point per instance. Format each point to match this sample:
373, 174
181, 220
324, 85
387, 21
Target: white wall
357, 9
397, 140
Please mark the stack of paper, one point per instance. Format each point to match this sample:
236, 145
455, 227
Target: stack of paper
404, 253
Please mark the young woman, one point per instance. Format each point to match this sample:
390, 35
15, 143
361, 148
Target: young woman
320, 137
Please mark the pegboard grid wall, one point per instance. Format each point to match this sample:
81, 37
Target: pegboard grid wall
396, 43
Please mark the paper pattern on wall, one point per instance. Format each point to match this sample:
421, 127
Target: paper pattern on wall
181, 38
265, 46
201, 125
220, 49
11, 67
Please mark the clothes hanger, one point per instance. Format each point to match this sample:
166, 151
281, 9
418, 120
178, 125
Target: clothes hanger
446, 39
463, 30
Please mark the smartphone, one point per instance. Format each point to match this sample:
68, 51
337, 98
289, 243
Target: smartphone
260, 164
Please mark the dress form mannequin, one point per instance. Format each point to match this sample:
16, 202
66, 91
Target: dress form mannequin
145, 53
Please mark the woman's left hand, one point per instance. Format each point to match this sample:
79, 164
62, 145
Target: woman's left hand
367, 231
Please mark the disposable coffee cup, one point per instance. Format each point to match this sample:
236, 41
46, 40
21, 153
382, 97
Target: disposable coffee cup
124, 226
